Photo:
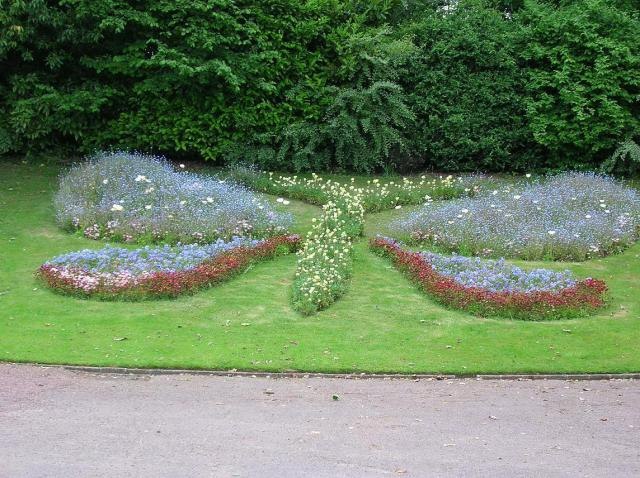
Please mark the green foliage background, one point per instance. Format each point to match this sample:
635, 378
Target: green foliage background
324, 84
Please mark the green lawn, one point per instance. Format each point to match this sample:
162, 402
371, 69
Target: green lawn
383, 324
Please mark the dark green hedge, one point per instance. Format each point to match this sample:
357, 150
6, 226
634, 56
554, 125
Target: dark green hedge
189, 76
324, 84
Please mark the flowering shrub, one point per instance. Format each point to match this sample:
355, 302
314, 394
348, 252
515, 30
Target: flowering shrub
376, 195
133, 197
497, 276
493, 287
325, 261
148, 259
149, 272
572, 216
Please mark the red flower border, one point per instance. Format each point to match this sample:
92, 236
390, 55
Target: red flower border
173, 284
586, 296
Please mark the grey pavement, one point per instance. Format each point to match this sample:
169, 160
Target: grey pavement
60, 423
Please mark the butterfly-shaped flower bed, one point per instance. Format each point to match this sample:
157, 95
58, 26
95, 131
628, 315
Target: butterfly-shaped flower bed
157, 272
487, 287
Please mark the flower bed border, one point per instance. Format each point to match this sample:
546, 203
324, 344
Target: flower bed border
173, 284
583, 298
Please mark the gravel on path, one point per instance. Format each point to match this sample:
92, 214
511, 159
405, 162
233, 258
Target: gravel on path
60, 423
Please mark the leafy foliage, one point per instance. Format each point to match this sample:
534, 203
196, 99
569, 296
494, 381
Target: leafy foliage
324, 84
466, 91
582, 65
626, 158
361, 131
175, 76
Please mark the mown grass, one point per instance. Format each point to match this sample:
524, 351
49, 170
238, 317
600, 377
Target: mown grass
382, 324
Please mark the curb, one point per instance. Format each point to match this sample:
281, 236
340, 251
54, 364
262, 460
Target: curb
348, 376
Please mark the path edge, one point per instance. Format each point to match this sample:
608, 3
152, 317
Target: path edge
348, 376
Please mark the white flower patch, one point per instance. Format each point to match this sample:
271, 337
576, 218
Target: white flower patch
570, 216
324, 262
152, 199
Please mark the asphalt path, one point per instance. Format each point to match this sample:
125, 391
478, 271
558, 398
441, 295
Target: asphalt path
60, 423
